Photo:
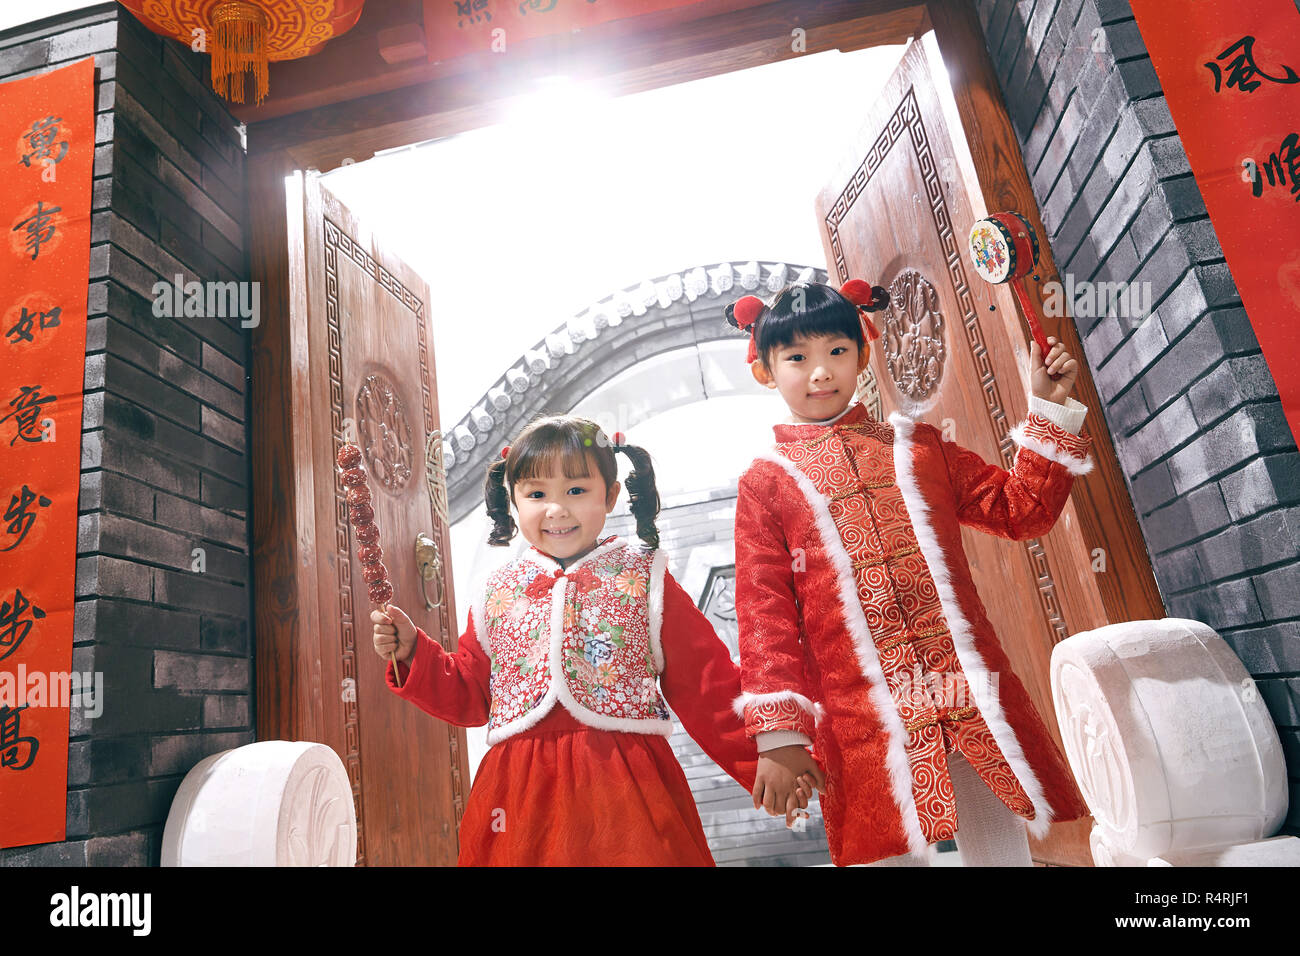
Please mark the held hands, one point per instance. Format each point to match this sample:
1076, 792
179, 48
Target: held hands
1040, 372
784, 781
393, 632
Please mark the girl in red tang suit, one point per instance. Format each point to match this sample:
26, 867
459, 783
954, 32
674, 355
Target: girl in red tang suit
572, 652
860, 625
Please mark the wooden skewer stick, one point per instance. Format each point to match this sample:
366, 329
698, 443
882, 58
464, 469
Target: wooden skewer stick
392, 655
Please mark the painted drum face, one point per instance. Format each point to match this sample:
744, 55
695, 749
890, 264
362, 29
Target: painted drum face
991, 252
1003, 247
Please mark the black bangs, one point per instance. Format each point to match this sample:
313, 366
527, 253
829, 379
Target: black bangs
562, 442
814, 311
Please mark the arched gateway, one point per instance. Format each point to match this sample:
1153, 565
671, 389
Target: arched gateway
680, 310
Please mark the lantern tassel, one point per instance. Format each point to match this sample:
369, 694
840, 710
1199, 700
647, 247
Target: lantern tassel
239, 45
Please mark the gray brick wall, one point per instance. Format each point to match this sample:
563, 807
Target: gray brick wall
164, 460
1212, 467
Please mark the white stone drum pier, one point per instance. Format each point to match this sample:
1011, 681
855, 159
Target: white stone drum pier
273, 803
1172, 746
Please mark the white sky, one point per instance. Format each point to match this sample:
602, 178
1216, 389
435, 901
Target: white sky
16, 12
520, 226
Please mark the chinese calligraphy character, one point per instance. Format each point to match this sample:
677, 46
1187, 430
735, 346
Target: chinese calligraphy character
468, 11
19, 518
1243, 68
41, 139
11, 743
12, 620
527, 5
27, 406
1280, 166
22, 329
39, 227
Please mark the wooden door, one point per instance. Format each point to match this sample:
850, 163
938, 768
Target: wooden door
362, 360
954, 353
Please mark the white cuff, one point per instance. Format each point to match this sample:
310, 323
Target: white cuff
1068, 417
771, 739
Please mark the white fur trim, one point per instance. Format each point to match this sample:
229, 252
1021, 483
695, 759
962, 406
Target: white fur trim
1075, 466
476, 617
543, 707
542, 560
963, 639
604, 721
812, 707
478, 608
478, 613
900, 771
656, 600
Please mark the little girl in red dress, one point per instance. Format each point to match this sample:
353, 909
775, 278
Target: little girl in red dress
597, 625
861, 630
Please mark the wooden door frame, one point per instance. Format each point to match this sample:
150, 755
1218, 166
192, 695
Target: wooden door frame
458, 101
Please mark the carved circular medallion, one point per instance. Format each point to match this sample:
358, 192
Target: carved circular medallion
1092, 741
319, 819
384, 433
913, 339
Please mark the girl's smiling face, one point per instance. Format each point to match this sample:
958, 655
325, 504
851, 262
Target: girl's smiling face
816, 376
563, 517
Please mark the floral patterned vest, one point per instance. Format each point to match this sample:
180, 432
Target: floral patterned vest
587, 635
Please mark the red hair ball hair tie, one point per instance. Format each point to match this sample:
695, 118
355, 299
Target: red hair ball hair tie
619, 440
868, 298
742, 315
505, 452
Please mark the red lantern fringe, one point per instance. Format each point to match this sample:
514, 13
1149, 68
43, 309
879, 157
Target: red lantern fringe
239, 46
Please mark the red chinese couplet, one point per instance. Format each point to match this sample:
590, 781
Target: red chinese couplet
47, 146
1231, 74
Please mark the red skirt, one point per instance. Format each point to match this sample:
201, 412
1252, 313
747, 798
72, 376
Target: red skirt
565, 794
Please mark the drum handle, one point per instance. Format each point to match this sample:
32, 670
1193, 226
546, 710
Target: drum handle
1035, 327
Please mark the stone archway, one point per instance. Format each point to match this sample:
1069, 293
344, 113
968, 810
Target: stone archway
677, 311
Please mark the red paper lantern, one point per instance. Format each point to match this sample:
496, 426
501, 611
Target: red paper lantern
245, 36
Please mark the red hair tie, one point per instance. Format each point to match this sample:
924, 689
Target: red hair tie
868, 298
505, 452
746, 312
619, 440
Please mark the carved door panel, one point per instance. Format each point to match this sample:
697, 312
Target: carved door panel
953, 353
363, 355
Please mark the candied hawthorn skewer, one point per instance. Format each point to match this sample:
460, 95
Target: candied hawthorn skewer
361, 515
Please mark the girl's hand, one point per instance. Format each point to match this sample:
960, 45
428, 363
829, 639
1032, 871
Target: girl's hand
785, 780
1040, 372
394, 632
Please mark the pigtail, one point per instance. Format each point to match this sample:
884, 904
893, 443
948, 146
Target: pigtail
498, 504
642, 494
